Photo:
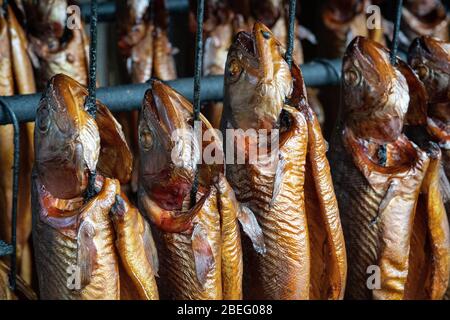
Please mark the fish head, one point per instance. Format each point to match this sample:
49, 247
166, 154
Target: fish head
67, 141
166, 146
47, 17
375, 93
257, 79
421, 7
430, 59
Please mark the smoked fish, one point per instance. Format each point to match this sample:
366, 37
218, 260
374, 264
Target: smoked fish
199, 245
86, 248
394, 221
18, 79
289, 189
430, 59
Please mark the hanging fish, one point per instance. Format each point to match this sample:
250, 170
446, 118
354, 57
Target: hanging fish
56, 47
18, 73
342, 20
199, 246
290, 190
430, 59
163, 63
386, 186
96, 248
23, 290
424, 18
217, 38
136, 39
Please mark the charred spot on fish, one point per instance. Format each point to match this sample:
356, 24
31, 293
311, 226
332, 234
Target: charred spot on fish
266, 34
382, 155
118, 208
285, 121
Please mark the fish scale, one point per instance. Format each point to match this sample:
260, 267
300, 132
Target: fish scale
56, 252
177, 259
283, 271
361, 235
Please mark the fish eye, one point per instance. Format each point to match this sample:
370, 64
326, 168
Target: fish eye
146, 139
43, 121
352, 77
234, 70
422, 71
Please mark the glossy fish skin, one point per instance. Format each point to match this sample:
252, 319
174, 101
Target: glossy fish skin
136, 39
381, 183
24, 291
164, 188
424, 18
104, 240
135, 245
258, 72
23, 81
430, 59
200, 249
286, 197
163, 63
66, 132
57, 49
76, 236
342, 20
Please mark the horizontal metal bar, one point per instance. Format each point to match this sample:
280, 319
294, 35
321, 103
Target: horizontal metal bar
5, 249
107, 9
129, 97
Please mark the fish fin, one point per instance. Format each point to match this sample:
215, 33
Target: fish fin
445, 185
150, 248
417, 108
115, 159
322, 188
438, 226
86, 252
203, 254
252, 229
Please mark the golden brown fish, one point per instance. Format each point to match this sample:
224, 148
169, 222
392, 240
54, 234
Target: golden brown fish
23, 290
218, 35
199, 246
96, 248
342, 20
386, 185
56, 47
22, 82
289, 190
424, 18
163, 61
430, 59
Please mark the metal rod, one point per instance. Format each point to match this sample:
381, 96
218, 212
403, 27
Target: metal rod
129, 97
15, 186
107, 9
197, 82
91, 106
394, 44
291, 32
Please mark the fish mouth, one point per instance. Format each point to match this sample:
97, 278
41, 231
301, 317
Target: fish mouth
246, 42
